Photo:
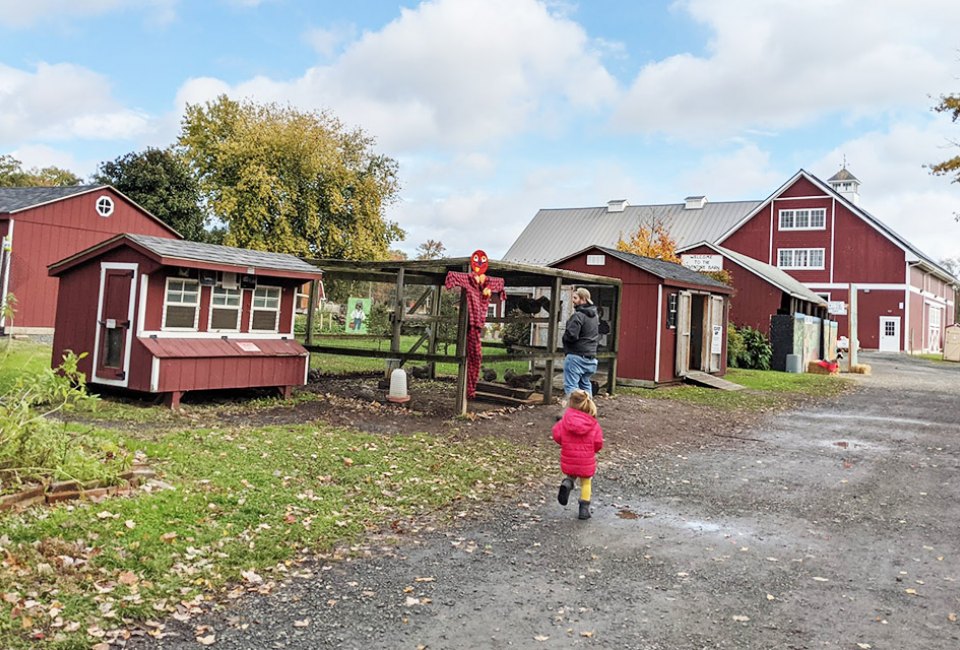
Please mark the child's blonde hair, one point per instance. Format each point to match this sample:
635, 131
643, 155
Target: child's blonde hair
580, 400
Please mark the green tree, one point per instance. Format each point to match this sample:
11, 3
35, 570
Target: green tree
291, 181
161, 181
12, 174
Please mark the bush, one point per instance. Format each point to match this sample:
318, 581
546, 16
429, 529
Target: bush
757, 349
736, 348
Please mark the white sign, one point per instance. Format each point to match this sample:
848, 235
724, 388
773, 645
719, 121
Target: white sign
246, 346
702, 262
837, 307
716, 345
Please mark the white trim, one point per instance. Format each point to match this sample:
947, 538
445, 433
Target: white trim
6, 277
929, 295
306, 369
154, 374
196, 311
833, 234
906, 312
807, 267
770, 248
276, 318
802, 198
660, 305
293, 310
238, 336
813, 286
142, 302
104, 267
810, 214
211, 307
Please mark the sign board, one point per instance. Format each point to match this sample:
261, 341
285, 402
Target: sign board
702, 262
716, 344
837, 307
246, 346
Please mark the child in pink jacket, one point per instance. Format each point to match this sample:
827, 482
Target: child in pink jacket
580, 438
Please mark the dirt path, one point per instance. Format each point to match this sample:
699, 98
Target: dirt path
828, 527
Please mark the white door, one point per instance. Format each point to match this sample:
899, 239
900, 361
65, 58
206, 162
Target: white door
889, 333
716, 332
683, 334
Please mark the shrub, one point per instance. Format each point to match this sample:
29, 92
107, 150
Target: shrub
758, 349
736, 348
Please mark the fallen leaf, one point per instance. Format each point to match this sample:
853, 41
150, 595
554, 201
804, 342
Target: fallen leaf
770, 597
210, 639
128, 578
819, 579
347, 461
739, 618
541, 637
130, 523
304, 623
587, 633
411, 601
424, 579
168, 537
912, 592
864, 646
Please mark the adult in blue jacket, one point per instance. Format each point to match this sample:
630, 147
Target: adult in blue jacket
580, 338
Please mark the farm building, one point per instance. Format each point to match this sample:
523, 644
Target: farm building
814, 231
168, 316
41, 225
681, 312
760, 290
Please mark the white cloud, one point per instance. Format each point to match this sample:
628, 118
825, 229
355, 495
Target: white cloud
25, 13
326, 41
783, 63
62, 102
743, 174
454, 73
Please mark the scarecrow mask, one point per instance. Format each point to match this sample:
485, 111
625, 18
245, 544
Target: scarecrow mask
478, 263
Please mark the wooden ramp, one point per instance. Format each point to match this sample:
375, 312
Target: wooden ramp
710, 381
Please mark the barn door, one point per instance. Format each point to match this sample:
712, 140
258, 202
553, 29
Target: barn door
716, 333
683, 334
113, 325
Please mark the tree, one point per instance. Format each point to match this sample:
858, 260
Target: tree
949, 104
952, 264
161, 181
291, 181
431, 250
12, 174
651, 240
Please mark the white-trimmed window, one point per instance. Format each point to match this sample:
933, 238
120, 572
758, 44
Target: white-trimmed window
807, 219
181, 303
800, 258
104, 206
265, 312
225, 309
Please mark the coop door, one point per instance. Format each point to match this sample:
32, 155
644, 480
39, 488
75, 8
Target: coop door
716, 332
113, 325
683, 334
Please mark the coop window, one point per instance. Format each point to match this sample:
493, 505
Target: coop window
672, 311
266, 309
104, 206
180, 304
225, 309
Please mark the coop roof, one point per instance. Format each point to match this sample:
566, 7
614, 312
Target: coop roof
177, 252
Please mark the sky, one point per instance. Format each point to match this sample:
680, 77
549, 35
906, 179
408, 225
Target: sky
497, 108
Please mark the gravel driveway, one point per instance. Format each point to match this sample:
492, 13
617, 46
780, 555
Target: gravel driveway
833, 527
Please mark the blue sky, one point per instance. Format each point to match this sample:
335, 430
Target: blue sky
496, 108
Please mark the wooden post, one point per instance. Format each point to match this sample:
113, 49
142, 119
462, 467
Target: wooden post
463, 325
551, 339
434, 326
615, 338
398, 312
311, 310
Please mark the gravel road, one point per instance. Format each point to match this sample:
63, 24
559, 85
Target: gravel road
829, 527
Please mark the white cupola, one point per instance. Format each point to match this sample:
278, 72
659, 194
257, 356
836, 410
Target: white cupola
846, 184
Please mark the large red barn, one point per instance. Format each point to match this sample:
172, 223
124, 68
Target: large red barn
41, 225
168, 316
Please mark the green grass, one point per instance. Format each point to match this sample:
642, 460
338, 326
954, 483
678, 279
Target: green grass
766, 389
936, 357
243, 500
19, 358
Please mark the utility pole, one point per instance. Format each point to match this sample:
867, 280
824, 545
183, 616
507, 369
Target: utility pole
852, 325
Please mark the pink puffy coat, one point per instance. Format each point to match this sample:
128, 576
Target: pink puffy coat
580, 438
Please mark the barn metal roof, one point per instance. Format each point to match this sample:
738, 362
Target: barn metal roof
771, 274
14, 199
555, 233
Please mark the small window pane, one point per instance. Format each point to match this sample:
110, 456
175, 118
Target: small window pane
264, 320
179, 316
224, 319
114, 348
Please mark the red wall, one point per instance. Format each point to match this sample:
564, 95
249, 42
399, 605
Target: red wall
52, 232
863, 254
752, 238
229, 372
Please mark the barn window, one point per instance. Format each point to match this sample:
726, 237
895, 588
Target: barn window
104, 206
225, 308
811, 219
266, 309
800, 258
672, 311
180, 304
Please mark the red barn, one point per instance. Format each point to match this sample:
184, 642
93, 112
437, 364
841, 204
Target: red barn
760, 290
168, 316
41, 225
672, 319
818, 233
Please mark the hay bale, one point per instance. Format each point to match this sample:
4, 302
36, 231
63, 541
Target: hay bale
822, 368
860, 369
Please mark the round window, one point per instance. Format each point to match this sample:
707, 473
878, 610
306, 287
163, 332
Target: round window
104, 206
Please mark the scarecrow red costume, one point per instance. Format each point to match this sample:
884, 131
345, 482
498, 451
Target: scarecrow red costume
480, 288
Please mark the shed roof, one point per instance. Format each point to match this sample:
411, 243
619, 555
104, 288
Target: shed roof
179, 252
188, 348
771, 274
662, 269
557, 232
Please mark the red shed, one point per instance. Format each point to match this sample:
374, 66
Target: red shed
169, 316
41, 225
672, 320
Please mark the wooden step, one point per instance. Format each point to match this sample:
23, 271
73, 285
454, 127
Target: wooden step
710, 381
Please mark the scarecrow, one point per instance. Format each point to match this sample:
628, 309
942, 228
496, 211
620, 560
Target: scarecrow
480, 288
